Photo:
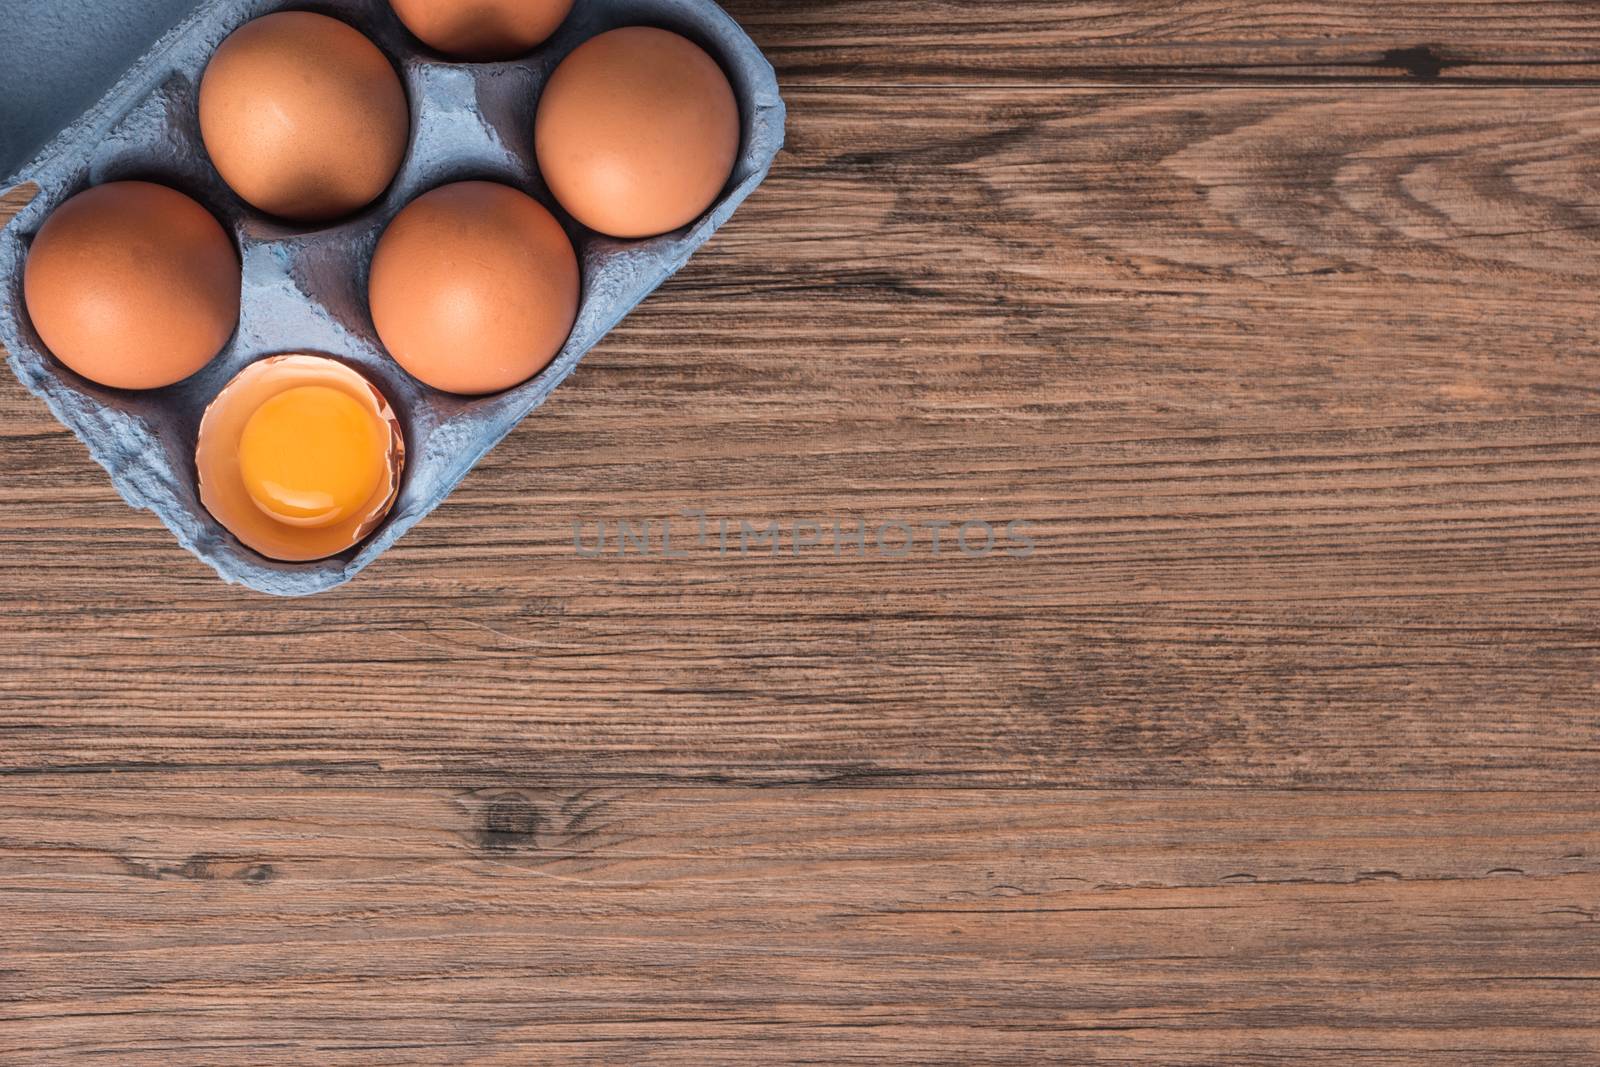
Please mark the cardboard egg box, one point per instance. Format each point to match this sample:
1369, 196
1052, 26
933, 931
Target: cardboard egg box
305, 287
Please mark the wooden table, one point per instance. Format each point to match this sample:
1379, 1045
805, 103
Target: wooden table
1274, 323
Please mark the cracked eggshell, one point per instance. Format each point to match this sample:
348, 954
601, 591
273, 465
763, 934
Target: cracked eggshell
222, 483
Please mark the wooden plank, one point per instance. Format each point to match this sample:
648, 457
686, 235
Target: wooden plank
1280, 747
1297, 394
14, 200
865, 43
723, 926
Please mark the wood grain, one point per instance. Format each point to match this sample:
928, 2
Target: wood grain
1282, 747
942, 42
726, 926
1303, 415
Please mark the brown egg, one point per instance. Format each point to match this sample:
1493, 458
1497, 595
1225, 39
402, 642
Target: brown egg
485, 29
300, 457
304, 117
637, 132
133, 285
474, 288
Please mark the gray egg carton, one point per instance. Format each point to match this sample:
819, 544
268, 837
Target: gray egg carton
305, 288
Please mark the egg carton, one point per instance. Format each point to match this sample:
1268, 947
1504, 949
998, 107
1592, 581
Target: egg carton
305, 287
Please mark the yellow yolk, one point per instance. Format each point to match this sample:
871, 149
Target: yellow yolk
313, 456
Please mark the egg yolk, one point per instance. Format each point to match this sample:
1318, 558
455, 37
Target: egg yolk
313, 456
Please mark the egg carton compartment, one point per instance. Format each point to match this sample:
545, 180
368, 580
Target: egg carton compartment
304, 288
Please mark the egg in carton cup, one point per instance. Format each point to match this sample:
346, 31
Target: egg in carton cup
306, 341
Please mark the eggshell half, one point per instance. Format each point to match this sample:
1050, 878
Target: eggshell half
222, 486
